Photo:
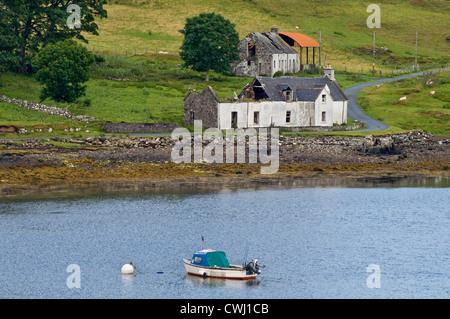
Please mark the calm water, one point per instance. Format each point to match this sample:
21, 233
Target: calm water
315, 242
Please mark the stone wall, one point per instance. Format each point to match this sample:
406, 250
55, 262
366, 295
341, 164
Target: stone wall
357, 125
139, 127
252, 65
51, 110
201, 106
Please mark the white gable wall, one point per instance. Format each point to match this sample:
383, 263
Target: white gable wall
322, 107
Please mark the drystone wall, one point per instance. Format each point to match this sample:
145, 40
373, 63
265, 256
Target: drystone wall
51, 110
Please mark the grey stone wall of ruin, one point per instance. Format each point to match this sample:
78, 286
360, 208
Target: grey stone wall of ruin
254, 65
139, 127
201, 106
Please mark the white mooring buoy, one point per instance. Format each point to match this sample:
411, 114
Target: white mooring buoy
127, 269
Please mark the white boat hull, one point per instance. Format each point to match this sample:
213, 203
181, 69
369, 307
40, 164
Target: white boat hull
234, 272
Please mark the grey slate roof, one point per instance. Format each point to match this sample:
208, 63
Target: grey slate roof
308, 94
306, 89
274, 43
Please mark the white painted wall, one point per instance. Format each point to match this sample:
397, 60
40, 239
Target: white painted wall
286, 63
270, 113
326, 107
339, 112
274, 112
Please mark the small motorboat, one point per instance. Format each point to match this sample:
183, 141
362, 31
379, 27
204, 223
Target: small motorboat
214, 264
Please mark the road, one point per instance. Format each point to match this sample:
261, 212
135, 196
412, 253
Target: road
354, 111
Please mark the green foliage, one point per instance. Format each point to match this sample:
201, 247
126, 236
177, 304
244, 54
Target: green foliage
210, 43
33, 24
9, 41
278, 74
62, 68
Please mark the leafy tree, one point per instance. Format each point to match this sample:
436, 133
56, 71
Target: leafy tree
210, 43
37, 23
62, 68
9, 41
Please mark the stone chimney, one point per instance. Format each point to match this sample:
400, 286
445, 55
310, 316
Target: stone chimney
274, 30
329, 71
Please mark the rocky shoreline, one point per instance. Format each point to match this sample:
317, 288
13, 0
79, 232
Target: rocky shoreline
146, 161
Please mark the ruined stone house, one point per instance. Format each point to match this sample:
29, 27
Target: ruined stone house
265, 54
265, 102
201, 106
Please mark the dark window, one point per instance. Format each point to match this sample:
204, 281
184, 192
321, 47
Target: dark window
324, 98
256, 117
288, 116
192, 115
324, 116
251, 49
234, 119
288, 95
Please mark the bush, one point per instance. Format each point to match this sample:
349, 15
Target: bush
278, 74
99, 59
62, 68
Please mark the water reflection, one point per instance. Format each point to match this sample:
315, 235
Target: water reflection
217, 282
128, 283
231, 185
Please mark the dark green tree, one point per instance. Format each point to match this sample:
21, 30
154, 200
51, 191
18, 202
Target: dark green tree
210, 43
33, 24
62, 68
9, 42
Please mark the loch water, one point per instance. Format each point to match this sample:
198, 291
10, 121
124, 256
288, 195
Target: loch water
383, 241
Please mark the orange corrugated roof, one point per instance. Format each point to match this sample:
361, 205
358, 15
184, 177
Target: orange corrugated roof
302, 40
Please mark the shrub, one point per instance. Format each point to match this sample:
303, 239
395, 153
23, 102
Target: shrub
62, 68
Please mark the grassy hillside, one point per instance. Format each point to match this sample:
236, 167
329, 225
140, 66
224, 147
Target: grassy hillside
346, 39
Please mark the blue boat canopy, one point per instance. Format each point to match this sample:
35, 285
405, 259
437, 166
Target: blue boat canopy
210, 258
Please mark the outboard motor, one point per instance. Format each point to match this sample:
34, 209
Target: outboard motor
252, 267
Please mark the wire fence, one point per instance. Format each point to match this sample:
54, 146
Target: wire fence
386, 71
